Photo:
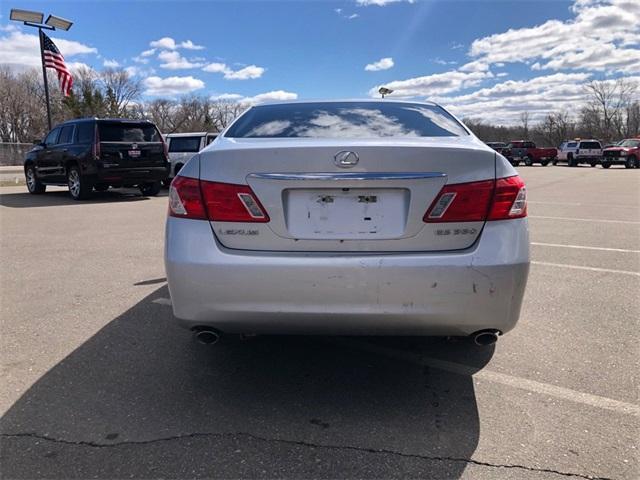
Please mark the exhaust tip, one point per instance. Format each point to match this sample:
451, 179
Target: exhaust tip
207, 337
487, 337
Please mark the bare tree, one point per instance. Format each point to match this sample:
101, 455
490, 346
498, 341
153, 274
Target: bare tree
609, 100
120, 90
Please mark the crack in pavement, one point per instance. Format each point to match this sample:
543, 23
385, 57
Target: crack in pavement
297, 443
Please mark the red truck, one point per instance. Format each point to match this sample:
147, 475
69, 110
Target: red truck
524, 150
625, 152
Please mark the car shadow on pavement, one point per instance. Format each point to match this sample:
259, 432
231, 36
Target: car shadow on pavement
62, 197
141, 398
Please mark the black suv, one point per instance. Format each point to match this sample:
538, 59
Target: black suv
93, 153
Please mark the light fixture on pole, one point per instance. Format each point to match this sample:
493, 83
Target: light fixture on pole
384, 91
35, 19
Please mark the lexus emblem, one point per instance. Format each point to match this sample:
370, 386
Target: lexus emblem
346, 159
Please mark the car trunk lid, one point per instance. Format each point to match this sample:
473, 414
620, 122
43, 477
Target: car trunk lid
377, 204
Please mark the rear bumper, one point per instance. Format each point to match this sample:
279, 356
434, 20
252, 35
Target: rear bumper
455, 293
130, 176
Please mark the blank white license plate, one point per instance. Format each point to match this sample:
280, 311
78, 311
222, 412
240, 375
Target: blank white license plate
134, 153
346, 213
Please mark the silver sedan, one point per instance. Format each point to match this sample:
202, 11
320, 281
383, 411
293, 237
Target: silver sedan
371, 217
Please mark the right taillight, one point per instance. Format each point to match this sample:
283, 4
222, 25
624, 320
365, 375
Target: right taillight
500, 199
221, 202
509, 199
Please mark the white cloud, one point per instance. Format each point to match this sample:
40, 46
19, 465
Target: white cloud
110, 63
382, 64
246, 73
501, 74
273, 96
21, 51
189, 45
603, 36
502, 103
380, 3
165, 42
171, 86
148, 53
168, 43
439, 61
436, 84
216, 68
250, 72
352, 16
172, 60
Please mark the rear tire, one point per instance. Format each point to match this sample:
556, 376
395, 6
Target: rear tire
544, 163
79, 187
515, 163
33, 184
150, 189
630, 163
593, 164
528, 161
606, 164
554, 162
570, 161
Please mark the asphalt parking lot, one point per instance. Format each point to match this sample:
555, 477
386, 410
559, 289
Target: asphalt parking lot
99, 382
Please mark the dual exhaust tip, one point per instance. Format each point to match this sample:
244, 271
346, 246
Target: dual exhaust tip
486, 337
483, 338
207, 336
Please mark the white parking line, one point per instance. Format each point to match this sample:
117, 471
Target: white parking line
501, 378
594, 220
592, 269
162, 301
584, 247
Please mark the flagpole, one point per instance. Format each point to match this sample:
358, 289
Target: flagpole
44, 75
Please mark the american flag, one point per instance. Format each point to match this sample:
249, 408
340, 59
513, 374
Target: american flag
54, 59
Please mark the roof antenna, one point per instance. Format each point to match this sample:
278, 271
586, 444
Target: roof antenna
384, 91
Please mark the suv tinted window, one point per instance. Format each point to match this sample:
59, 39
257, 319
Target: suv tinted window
52, 137
184, 144
346, 120
127, 132
85, 132
66, 135
571, 144
590, 145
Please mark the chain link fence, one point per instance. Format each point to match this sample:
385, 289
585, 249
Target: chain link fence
13, 153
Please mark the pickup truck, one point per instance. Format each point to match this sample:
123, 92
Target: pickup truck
501, 148
522, 150
575, 152
625, 152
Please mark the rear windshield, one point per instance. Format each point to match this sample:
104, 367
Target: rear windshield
571, 144
590, 145
128, 132
629, 143
184, 144
346, 120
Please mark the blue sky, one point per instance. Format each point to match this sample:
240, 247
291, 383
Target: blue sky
463, 54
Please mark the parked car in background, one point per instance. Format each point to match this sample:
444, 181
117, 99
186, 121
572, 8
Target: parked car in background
371, 217
502, 148
527, 152
626, 152
183, 146
575, 152
95, 154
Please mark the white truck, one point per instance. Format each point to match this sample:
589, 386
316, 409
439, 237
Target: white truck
183, 146
575, 152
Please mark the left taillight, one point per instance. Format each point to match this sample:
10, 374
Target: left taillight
221, 202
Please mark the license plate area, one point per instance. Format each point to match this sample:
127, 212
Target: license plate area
346, 213
134, 153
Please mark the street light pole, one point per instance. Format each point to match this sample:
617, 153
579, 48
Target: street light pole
44, 76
